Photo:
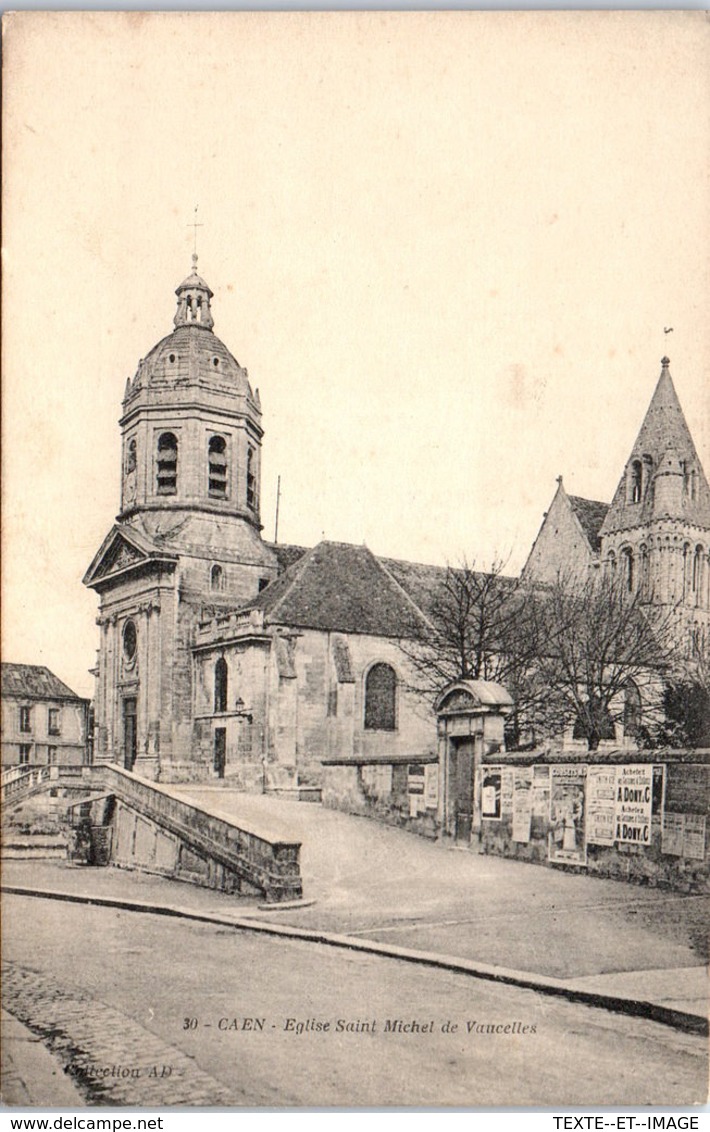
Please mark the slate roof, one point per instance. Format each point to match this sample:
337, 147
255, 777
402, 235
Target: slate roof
342, 588
339, 587
287, 554
591, 514
32, 681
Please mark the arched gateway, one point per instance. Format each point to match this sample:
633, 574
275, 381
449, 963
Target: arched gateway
470, 719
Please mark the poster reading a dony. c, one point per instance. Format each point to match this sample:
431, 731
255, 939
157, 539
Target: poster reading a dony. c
634, 804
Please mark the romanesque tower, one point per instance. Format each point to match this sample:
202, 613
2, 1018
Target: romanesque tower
656, 533
186, 542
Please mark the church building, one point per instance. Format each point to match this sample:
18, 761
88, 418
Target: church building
655, 535
224, 656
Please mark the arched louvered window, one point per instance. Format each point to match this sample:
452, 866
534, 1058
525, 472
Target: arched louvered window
380, 698
252, 500
131, 456
218, 467
221, 681
636, 482
167, 464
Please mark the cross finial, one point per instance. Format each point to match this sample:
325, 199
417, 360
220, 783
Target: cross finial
195, 225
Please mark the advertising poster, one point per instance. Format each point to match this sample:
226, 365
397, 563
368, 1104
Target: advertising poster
540, 800
491, 792
567, 814
431, 786
522, 803
634, 804
506, 790
415, 788
694, 836
601, 805
672, 837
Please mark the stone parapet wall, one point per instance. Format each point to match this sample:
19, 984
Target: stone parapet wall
672, 847
380, 791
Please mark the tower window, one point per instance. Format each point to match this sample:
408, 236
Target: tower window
218, 467
645, 572
629, 569
217, 578
251, 479
131, 456
380, 698
167, 464
221, 680
697, 568
636, 484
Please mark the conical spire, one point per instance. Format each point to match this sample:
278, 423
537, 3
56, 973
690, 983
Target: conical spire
664, 448
194, 296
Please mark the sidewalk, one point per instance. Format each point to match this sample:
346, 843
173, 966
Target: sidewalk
31, 1076
375, 883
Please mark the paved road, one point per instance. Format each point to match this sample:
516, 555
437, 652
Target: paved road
115, 1015
384, 883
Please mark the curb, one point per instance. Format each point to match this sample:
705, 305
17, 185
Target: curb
543, 984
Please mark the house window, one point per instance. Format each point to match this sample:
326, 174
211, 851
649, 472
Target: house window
380, 698
221, 681
25, 719
263, 583
25, 749
51, 756
217, 578
167, 464
53, 721
251, 479
218, 467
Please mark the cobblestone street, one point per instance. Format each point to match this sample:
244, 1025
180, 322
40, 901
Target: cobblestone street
95, 1042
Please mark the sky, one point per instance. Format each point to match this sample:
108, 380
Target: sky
445, 245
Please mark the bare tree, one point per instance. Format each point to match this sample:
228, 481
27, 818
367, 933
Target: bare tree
478, 626
601, 641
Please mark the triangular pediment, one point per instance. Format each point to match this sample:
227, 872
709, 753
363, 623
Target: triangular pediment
121, 551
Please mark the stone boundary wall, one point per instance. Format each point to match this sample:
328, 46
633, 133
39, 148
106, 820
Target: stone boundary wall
675, 850
382, 791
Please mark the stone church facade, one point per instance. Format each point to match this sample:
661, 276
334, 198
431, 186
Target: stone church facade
223, 656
